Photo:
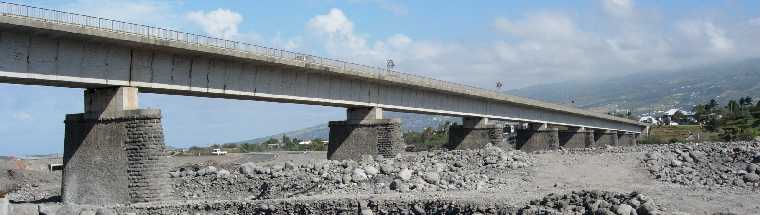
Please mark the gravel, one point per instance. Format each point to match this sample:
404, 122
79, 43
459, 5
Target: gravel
420, 172
706, 165
593, 202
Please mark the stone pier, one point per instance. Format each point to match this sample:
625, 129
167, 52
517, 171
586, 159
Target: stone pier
576, 137
365, 132
537, 137
114, 153
475, 133
626, 139
606, 137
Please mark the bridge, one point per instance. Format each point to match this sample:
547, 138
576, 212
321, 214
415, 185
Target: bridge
113, 143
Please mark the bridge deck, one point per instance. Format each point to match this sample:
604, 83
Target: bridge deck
47, 47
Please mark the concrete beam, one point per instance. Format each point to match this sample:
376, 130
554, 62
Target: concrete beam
364, 113
110, 100
474, 122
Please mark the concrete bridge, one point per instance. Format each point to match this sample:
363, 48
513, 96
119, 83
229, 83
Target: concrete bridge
114, 143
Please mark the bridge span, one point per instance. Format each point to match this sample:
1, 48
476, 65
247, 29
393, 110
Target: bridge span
115, 60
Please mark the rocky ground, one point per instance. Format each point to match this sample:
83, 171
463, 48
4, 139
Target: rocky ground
707, 165
490, 168
662, 179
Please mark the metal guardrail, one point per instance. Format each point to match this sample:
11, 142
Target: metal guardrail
48, 15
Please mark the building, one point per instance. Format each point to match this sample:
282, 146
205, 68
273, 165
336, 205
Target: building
649, 120
667, 117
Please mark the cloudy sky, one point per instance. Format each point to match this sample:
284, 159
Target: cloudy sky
519, 43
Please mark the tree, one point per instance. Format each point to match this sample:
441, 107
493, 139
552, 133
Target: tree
710, 107
318, 144
678, 117
272, 141
701, 113
746, 101
286, 140
732, 110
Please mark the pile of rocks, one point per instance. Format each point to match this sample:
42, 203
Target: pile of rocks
593, 202
710, 164
487, 168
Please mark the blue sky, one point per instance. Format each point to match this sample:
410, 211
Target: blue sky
520, 43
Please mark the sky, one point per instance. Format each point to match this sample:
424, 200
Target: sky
519, 43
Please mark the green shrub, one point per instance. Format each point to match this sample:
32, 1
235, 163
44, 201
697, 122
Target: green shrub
652, 139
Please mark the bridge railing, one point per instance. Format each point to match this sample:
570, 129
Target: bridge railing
62, 17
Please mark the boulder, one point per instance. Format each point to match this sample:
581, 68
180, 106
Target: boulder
624, 209
248, 168
751, 178
370, 170
432, 177
405, 174
359, 175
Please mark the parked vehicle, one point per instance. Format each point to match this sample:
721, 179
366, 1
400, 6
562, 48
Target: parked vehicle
218, 152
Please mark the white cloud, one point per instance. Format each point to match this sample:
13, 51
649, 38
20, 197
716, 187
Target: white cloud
399, 41
619, 8
22, 116
287, 43
702, 32
219, 23
159, 13
340, 40
544, 26
754, 21
388, 5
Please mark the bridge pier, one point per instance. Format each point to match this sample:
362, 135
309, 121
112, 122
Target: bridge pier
114, 152
576, 137
537, 137
475, 133
606, 137
626, 139
365, 132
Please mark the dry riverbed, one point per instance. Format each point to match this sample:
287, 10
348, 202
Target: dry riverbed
664, 179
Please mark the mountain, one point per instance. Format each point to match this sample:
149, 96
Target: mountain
409, 122
655, 91
642, 92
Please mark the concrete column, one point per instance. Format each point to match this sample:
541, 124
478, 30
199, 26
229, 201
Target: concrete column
576, 137
606, 137
626, 139
114, 153
475, 133
4, 206
537, 137
364, 132
110, 100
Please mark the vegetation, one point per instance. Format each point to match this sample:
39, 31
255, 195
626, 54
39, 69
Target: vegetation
737, 120
429, 138
284, 144
678, 133
627, 114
